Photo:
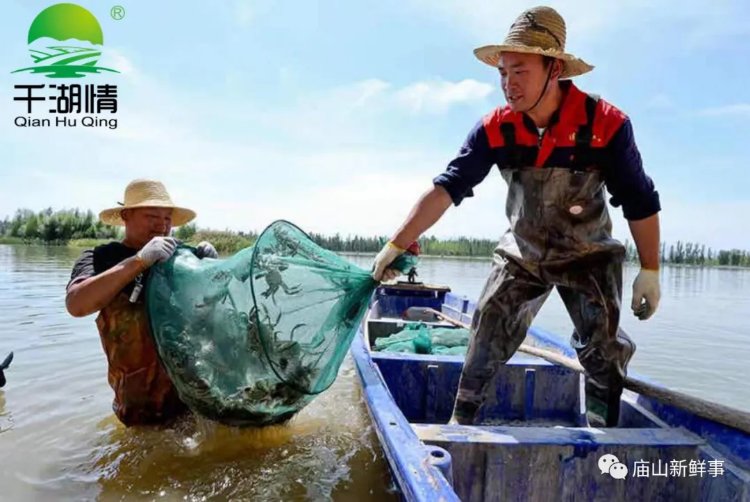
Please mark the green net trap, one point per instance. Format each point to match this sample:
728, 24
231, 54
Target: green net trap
252, 338
420, 338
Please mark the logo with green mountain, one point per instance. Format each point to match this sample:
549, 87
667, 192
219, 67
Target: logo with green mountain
65, 41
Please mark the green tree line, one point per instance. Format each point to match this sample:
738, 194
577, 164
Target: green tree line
62, 226
693, 253
462, 246
56, 227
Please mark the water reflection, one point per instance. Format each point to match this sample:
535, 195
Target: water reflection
318, 455
6, 419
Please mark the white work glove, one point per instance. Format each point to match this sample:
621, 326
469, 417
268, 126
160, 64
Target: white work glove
646, 294
205, 249
385, 257
158, 249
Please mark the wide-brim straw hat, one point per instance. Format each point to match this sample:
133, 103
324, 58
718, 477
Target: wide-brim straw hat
146, 193
539, 30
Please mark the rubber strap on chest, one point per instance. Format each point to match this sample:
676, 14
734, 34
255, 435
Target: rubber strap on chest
582, 156
508, 131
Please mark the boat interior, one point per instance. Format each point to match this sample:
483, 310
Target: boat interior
532, 437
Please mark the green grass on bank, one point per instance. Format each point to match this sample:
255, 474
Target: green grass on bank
87, 243
75, 243
11, 240
224, 242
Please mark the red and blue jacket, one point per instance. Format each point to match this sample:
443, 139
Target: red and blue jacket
610, 145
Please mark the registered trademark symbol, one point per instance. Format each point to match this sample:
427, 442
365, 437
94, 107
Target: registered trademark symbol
117, 12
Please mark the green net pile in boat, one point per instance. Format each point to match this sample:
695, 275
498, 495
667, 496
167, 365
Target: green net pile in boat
251, 339
419, 338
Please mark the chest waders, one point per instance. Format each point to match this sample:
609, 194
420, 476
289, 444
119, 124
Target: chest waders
559, 236
144, 394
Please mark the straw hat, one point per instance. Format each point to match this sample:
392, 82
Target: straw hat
539, 30
146, 193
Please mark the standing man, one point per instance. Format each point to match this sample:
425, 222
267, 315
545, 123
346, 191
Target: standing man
110, 278
557, 148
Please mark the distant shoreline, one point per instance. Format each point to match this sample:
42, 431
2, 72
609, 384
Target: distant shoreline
76, 243
77, 228
90, 243
430, 256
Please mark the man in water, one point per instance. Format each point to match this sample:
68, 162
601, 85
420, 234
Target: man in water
109, 279
557, 148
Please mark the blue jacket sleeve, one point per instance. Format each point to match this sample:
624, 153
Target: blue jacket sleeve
625, 178
469, 168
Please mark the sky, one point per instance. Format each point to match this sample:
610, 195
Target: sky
336, 115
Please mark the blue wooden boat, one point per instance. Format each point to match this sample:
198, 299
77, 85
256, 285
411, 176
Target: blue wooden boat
536, 444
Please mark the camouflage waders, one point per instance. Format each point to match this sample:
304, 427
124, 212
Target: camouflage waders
144, 394
559, 237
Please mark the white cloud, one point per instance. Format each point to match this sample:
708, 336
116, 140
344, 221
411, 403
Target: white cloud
427, 96
117, 59
358, 112
438, 96
366, 90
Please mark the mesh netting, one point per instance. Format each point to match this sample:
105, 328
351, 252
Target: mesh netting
251, 339
419, 338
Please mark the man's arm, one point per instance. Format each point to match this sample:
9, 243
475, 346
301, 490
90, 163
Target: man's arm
467, 170
92, 294
89, 295
426, 212
646, 236
634, 190
626, 179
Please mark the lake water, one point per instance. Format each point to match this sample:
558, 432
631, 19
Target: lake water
60, 440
